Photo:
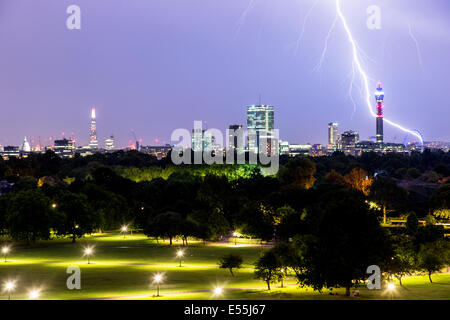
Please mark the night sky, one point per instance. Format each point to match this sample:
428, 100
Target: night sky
157, 65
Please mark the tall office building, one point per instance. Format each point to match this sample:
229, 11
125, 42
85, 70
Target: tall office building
332, 136
201, 140
379, 96
93, 142
260, 127
233, 137
110, 143
349, 139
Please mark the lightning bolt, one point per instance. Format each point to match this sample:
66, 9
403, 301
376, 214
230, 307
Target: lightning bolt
363, 73
244, 14
325, 48
305, 21
419, 55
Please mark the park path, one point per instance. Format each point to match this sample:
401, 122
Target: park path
175, 293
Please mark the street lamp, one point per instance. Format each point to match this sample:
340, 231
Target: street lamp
282, 276
235, 234
10, 286
88, 252
391, 288
180, 254
218, 291
124, 230
158, 278
5, 251
34, 294
54, 205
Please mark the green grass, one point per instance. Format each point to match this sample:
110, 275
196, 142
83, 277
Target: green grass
123, 268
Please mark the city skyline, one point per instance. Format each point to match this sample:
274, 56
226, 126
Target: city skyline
149, 86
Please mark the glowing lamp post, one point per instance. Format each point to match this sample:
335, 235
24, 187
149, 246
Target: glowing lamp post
53, 205
88, 252
124, 230
282, 276
5, 251
180, 254
34, 294
218, 291
158, 278
391, 288
10, 286
235, 234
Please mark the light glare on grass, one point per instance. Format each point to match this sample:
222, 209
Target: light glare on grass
5, 251
88, 251
10, 286
158, 278
218, 291
34, 294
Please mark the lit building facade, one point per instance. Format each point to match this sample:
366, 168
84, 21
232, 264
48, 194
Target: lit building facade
260, 128
201, 140
93, 142
349, 139
110, 143
379, 97
236, 138
333, 136
64, 148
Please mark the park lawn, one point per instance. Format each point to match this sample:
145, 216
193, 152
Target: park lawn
122, 268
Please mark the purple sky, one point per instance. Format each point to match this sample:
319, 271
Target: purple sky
157, 65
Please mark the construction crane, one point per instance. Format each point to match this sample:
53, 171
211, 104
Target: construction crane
136, 141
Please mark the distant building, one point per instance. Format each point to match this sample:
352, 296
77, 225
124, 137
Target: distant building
110, 143
26, 146
233, 140
157, 151
284, 148
299, 149
316, 150
333, 136
10, 151
64, 148
349, 139
93, 142
202, 140
260, 127
379, 97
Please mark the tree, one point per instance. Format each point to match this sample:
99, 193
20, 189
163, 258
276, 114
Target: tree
299, 171
344, 238
230, 262
414, 173
77, 219
167, 224
28, 216
358, 179
433, 256
267, 268
412, 224
334, 177
402, 263
440, 202
386, 193
289, 222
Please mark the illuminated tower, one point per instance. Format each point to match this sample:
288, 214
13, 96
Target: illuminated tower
332, 135
379, 96
93, 142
